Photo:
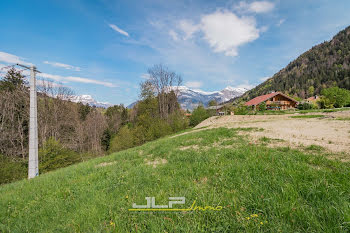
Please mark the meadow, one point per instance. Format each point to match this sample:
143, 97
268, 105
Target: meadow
260, 189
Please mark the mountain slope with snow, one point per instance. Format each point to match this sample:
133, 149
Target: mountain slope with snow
87, 99
191, 98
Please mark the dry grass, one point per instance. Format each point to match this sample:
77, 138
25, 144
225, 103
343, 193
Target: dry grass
156, 162
328, 133
105, 164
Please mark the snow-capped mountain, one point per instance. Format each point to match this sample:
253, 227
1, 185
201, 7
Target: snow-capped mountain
190, 98
87, 99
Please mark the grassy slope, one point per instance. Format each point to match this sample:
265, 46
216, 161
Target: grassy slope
288, 190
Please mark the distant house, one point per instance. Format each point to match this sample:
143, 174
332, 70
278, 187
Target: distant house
219, 109
313, 99
274, 101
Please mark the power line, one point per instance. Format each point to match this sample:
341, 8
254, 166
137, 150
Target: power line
6, 67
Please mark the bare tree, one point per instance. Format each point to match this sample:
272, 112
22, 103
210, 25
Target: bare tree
57, 117
94, 126
14, 114
164, 82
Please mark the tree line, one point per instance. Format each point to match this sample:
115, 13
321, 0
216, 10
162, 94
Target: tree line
73, 132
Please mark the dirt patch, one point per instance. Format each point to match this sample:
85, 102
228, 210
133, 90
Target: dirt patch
105, 164
192, 147
156, 162
192, 131
203, 180
327, 132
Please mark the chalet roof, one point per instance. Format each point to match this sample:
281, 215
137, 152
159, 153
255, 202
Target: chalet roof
312, 98
215, 107
262, 98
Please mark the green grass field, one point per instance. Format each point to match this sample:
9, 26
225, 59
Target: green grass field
324, 110
308, 116
260, 189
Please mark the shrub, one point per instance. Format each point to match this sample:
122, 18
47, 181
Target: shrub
305, 106
122, 140
178, 122
198, 115
54, 155
241, 110
11, 170
262, 106
335, 97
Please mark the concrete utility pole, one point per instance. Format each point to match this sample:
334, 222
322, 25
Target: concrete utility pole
33, 162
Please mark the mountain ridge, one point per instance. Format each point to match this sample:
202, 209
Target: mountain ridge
324, 65
190, 98
88, 100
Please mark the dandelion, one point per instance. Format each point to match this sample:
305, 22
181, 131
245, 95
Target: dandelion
247, 218
126, 196
111, 223
261, 223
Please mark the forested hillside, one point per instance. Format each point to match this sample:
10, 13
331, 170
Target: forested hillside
324, 65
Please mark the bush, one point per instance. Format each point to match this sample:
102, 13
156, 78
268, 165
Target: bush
198, 115
12, 170
241, 109
159, 128
305, 106
335, 97
262, 106
53, 155
122, 140
178, 122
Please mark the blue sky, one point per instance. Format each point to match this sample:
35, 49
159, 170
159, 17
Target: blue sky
104, 47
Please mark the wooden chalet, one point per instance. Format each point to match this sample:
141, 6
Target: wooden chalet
274, 101
220, 109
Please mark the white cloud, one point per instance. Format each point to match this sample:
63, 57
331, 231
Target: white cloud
225, 31
188, 28
246, 85
193, 84
261, 7
174, 35
87, 80
117, 29
57, 78
12, 59
280, 22
263, 29
62, 65
65, 79
263, 79
256, 7
62, 79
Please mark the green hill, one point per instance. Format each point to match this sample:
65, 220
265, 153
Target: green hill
253, 188
324, 65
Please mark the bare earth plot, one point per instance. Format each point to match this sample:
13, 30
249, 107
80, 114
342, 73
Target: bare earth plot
331, 132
